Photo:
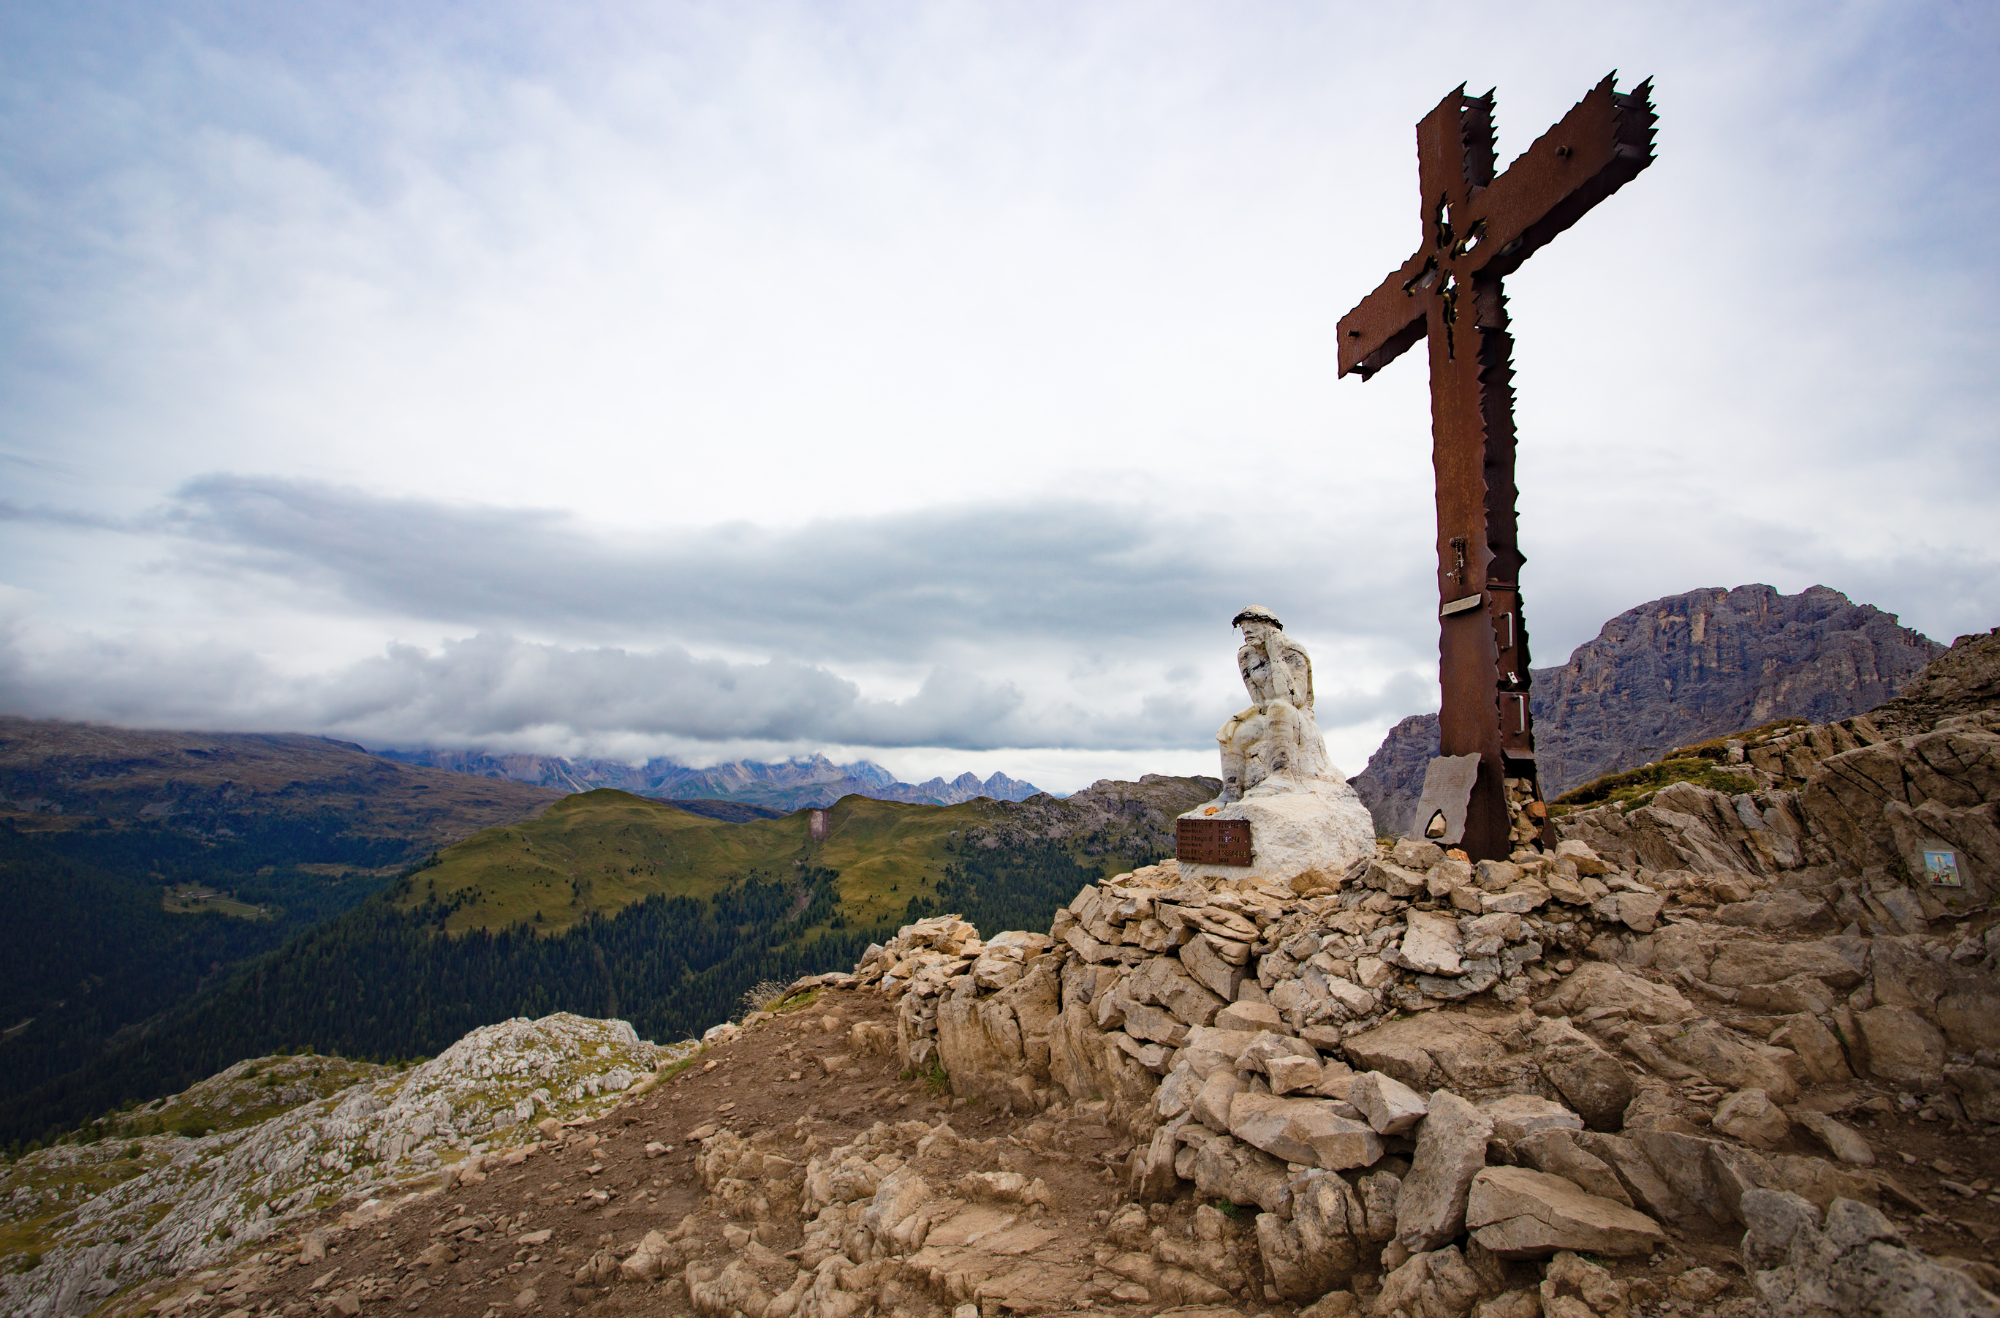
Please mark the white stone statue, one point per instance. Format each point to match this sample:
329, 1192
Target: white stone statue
1276, 736
1306, 823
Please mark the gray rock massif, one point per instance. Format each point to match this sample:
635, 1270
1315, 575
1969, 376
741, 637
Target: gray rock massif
1679, 670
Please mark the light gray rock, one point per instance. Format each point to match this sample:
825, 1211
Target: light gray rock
1213, 1100
1638, 911
1516, 1116
1291, 1075
1391, 1106
1258, 1053
1855, 1265
1750, 1115
1431, 944
1148, 1023
1558, 1153
1303, 1130
1598, 984
1817, 1048
1903, 1047
1318, 1248
1435, 1284
1518, 1213
1451, 1149
1708, 1048
1252, 1016
1843, 1142
1593, 1081
1209, 969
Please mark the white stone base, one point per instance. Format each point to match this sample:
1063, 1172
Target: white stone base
1309, 826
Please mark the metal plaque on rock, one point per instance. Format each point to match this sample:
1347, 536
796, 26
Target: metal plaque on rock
1212, 841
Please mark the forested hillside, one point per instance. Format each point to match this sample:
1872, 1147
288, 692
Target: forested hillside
675, 917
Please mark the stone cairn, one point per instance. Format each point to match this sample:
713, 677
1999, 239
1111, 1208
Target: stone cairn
1155, 955
1415, 1070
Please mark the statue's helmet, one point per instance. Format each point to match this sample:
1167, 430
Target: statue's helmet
1256, 613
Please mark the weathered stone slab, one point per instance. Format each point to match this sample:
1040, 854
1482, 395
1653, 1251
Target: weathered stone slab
1516, 1116
1517, 1213
1391, 1106
1210, 970
1451, 1148
1303, 1130
1431, 944
1593, 1081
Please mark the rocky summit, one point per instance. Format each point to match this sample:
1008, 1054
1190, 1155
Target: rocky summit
1717, 1054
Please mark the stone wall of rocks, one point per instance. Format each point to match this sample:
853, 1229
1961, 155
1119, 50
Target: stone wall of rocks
1432, 1063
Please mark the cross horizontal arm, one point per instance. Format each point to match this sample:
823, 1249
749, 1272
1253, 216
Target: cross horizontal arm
1385, 324
1595, 149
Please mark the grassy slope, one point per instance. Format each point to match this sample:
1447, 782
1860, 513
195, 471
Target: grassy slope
603, 850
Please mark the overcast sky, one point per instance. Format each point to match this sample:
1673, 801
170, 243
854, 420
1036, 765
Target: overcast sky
931, 382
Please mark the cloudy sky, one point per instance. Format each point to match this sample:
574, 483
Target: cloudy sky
931, 382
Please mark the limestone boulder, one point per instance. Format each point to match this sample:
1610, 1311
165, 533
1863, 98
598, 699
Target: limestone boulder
1518, 1213
1431, 945
1601, 985
1978, 1090
1573, 1286
1589, 1078
1226, 1168
1303, 1130
1088, 1063
1163, 981
1708, 1048
1849, 1261
1429, 1051
1750, 1115
1517, 1116
1451, 1149
1903, 1048
1391, 1106
1638, 911
1741, 962
1819, 1052
1558, 1153
1250, 1016
1842, 1141
1205, 961
1431, 1284
1318, 1247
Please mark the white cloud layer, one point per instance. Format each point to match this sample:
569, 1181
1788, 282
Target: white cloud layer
931, 378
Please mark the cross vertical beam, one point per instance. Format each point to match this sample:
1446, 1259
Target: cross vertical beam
1477, 229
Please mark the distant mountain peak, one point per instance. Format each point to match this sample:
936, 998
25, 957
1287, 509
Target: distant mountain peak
803, 780
1677, 670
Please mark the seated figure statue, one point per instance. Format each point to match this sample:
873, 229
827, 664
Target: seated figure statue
1306, 823
1276, 736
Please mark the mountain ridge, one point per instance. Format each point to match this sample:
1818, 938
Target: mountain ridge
786, 785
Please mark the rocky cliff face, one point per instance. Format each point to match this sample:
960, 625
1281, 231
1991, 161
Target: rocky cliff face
1676, 671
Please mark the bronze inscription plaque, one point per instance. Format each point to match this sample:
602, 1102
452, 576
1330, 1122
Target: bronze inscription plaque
1212, 841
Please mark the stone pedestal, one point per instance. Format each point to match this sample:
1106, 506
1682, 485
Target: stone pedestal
1297, 826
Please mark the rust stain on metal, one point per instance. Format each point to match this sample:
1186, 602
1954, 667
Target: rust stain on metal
1478, 228
1212, 841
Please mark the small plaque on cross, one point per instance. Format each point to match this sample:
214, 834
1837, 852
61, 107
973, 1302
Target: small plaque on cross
1212, 841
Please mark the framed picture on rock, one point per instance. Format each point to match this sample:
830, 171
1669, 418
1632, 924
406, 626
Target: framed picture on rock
1941, 868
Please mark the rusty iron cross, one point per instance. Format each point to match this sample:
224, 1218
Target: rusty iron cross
1479, 228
